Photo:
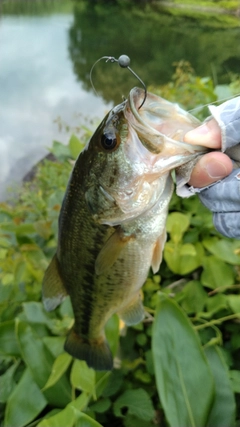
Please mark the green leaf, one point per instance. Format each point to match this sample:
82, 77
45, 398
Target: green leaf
60, 366
234, 303
112, 333
35, 313
102, 405
60, 150
214, 304
3, 253
65, 418
188, 249
25, 403
235, 380
81, 401
8, 340
54, 345
40, 361
183, 258
83, 420
101, 382
114, 383
177, 224
19, 230
223, 410
193, 297
184, 381
131, 420
34, 353
69, 417
226, 250
75, 146
7, 382
82, 377
138, 403
5, 292
216, 273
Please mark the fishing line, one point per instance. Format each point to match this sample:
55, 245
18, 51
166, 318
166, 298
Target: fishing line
214, 102
123, 62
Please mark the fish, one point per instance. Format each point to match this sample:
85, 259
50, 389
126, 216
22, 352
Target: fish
112, 223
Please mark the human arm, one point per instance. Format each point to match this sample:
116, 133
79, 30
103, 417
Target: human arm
219, 167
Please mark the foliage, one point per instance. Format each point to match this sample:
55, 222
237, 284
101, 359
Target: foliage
152, 40
211, 12
178, 367
35, 7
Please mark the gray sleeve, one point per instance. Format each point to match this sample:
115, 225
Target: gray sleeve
223, 197
228, 117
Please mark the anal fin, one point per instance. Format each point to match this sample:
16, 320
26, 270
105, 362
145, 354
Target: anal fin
53, 290
158, 251
134, 312
111, 251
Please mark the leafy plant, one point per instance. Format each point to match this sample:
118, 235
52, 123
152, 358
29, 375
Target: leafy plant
180, 367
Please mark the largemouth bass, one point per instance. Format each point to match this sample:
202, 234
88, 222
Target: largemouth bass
112, 220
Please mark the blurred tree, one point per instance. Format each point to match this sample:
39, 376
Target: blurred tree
152, 40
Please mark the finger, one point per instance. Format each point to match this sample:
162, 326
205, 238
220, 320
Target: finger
208, 135
210, 168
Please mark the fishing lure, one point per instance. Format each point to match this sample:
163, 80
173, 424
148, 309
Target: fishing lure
123, 62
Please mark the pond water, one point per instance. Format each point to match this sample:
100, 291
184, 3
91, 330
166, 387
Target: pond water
47, 51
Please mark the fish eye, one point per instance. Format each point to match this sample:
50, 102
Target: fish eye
108, 142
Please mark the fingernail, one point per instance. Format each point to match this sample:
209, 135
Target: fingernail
200, 130
216, 170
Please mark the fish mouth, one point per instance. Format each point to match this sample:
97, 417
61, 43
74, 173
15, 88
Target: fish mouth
161, 124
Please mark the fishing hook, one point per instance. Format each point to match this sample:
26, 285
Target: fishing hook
123, 62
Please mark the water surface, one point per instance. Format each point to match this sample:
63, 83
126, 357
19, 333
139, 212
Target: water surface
47, 49
37, 85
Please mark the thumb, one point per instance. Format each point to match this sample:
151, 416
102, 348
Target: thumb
210, 168
208, 135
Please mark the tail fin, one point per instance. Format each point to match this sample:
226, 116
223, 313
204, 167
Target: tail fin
95, 352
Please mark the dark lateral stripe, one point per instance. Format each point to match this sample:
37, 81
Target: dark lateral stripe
89, 282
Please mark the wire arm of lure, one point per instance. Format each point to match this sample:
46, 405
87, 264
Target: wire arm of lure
123, 62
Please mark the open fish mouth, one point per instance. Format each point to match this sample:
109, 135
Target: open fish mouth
160, 126
160, 122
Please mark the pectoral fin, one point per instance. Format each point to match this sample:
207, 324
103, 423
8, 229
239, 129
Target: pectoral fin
157, 252
53, 290
111, 251
134, 312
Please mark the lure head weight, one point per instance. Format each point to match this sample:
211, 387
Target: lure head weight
124, 61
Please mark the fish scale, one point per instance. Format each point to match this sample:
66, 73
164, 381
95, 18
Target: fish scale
113, 216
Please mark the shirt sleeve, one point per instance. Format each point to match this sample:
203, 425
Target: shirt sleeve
227, 116
223, 197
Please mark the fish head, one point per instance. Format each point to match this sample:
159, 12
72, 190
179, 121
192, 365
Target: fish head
115, 164
130, 156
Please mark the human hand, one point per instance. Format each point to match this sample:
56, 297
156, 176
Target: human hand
221, 133
223, 197
212, 166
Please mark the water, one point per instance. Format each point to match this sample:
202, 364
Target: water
37, 85
46, 56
